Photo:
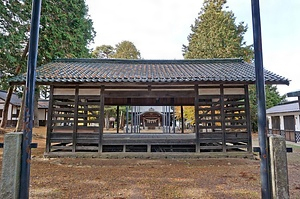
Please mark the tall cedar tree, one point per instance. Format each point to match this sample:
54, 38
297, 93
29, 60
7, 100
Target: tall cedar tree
66, 30
216, 35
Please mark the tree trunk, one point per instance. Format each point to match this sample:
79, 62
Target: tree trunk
36, 108
6, 106
20, 127
10, 91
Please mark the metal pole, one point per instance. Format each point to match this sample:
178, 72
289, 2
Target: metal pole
260, 93
29, 99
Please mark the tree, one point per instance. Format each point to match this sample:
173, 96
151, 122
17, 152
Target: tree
65, 32
215, 35
273, 98
103, 52
123, 50
126, 50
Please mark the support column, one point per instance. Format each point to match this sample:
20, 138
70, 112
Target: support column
127, 117
101, 118
182, 124
282, 125
75, 127
49, 120
297, 122
118, 119
197, 119
223, 118
248, 118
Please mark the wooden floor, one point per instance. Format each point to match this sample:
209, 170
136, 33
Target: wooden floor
144, 138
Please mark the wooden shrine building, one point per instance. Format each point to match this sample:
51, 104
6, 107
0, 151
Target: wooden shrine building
80, 88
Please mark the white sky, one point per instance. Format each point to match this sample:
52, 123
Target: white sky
158, 28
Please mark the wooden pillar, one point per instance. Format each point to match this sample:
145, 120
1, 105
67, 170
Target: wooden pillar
118, 119
131, 119
75, 127
49, 120
101, 120
182, 124
197, 119
248, 119
127, 116
223, 117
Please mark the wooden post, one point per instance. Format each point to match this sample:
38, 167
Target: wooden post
248, 119
197, 119
101, 118
118, 119
182, 124
223, 118
49, 120
75, 127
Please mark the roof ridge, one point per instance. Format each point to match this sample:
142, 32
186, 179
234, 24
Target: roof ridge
151, 61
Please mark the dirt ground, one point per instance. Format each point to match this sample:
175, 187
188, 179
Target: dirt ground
148, 178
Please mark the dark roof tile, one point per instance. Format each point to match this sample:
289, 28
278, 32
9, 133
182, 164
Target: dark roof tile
116, 70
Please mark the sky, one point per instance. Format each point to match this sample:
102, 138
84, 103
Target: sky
159, 28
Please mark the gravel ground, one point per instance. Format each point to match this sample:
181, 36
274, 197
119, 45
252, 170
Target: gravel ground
149, 178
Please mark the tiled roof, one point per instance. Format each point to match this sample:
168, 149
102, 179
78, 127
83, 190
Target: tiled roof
14, 100
116, 70
284, 108
294, 94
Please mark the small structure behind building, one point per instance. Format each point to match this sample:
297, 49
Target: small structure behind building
284, 119
14, 109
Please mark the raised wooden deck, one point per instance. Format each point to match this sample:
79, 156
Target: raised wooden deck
143, 142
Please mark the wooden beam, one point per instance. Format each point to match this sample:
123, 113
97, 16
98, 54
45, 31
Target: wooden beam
75, 127
118, 119
49, 121
147, 94
197, 122
101, 119
223, 118
248, 118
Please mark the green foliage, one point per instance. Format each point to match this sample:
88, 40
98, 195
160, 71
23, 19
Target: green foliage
65, 32
123, 50
103, 52
126, 50
215, 35
14, 28
273, 98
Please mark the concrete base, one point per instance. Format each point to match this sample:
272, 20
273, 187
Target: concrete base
11, 166
279, 171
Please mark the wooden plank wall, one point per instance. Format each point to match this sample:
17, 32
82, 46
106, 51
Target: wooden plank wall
75, 121
223, 119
